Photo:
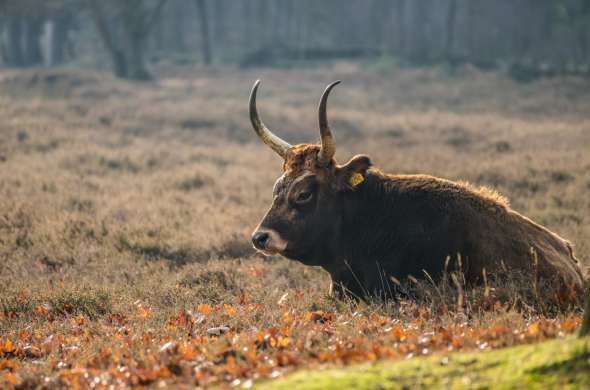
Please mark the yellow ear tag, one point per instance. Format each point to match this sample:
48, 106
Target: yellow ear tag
356, 179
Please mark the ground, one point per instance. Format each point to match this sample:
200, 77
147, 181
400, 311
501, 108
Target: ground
552, 364
126, 211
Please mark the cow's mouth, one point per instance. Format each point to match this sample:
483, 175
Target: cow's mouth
268, 252
304, 257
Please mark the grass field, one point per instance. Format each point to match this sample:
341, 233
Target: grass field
551, 364
126, 212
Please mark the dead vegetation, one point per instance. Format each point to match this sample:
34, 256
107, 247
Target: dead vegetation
126, 211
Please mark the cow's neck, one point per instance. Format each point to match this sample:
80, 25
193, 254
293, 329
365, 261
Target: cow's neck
365, 212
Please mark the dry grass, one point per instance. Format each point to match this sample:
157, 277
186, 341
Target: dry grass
124, 207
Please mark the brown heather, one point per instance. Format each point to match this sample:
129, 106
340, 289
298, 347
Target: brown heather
126, 211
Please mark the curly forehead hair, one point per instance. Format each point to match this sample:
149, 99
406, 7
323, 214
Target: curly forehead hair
301, 158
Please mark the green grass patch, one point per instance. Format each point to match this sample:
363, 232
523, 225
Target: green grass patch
557, 363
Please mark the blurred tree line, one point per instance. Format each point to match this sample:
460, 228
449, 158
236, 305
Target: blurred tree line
530, 38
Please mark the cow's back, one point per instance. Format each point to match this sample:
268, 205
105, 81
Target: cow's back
477, 225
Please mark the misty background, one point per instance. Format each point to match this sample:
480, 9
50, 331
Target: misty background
527, 39
131, 181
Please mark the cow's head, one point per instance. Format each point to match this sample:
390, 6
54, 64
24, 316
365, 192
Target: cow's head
306, 211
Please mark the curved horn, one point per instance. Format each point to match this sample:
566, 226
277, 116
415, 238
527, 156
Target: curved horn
328, 147
275, 143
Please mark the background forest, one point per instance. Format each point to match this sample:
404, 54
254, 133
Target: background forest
527, 38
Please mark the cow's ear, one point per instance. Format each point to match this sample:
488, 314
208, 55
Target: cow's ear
352, 174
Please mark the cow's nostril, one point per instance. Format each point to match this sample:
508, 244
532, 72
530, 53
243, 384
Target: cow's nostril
260, 239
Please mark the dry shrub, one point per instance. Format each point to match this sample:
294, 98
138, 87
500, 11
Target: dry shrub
89, 302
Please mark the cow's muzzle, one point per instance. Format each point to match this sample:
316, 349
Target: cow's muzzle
268, 241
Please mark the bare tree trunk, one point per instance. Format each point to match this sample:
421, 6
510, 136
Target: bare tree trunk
418, 49
301, 27
219, 14
178, 39
117, 55
205, 36
3, 52
32, 45
376, 28
400, 17
450, 31
471, 30
14, 49
23, 42
58, 40
158, 42
136, 69
582, 35
249, 28
136, 23
275, 23
389, 29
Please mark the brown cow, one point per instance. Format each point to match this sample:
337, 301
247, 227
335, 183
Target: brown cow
364, 226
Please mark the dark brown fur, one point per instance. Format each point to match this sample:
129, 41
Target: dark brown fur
400, 225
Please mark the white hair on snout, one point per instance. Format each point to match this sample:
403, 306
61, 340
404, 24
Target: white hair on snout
275, 245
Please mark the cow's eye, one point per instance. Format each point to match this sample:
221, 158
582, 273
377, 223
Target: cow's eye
303, 197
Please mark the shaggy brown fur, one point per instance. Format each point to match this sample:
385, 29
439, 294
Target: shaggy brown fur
394, 226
